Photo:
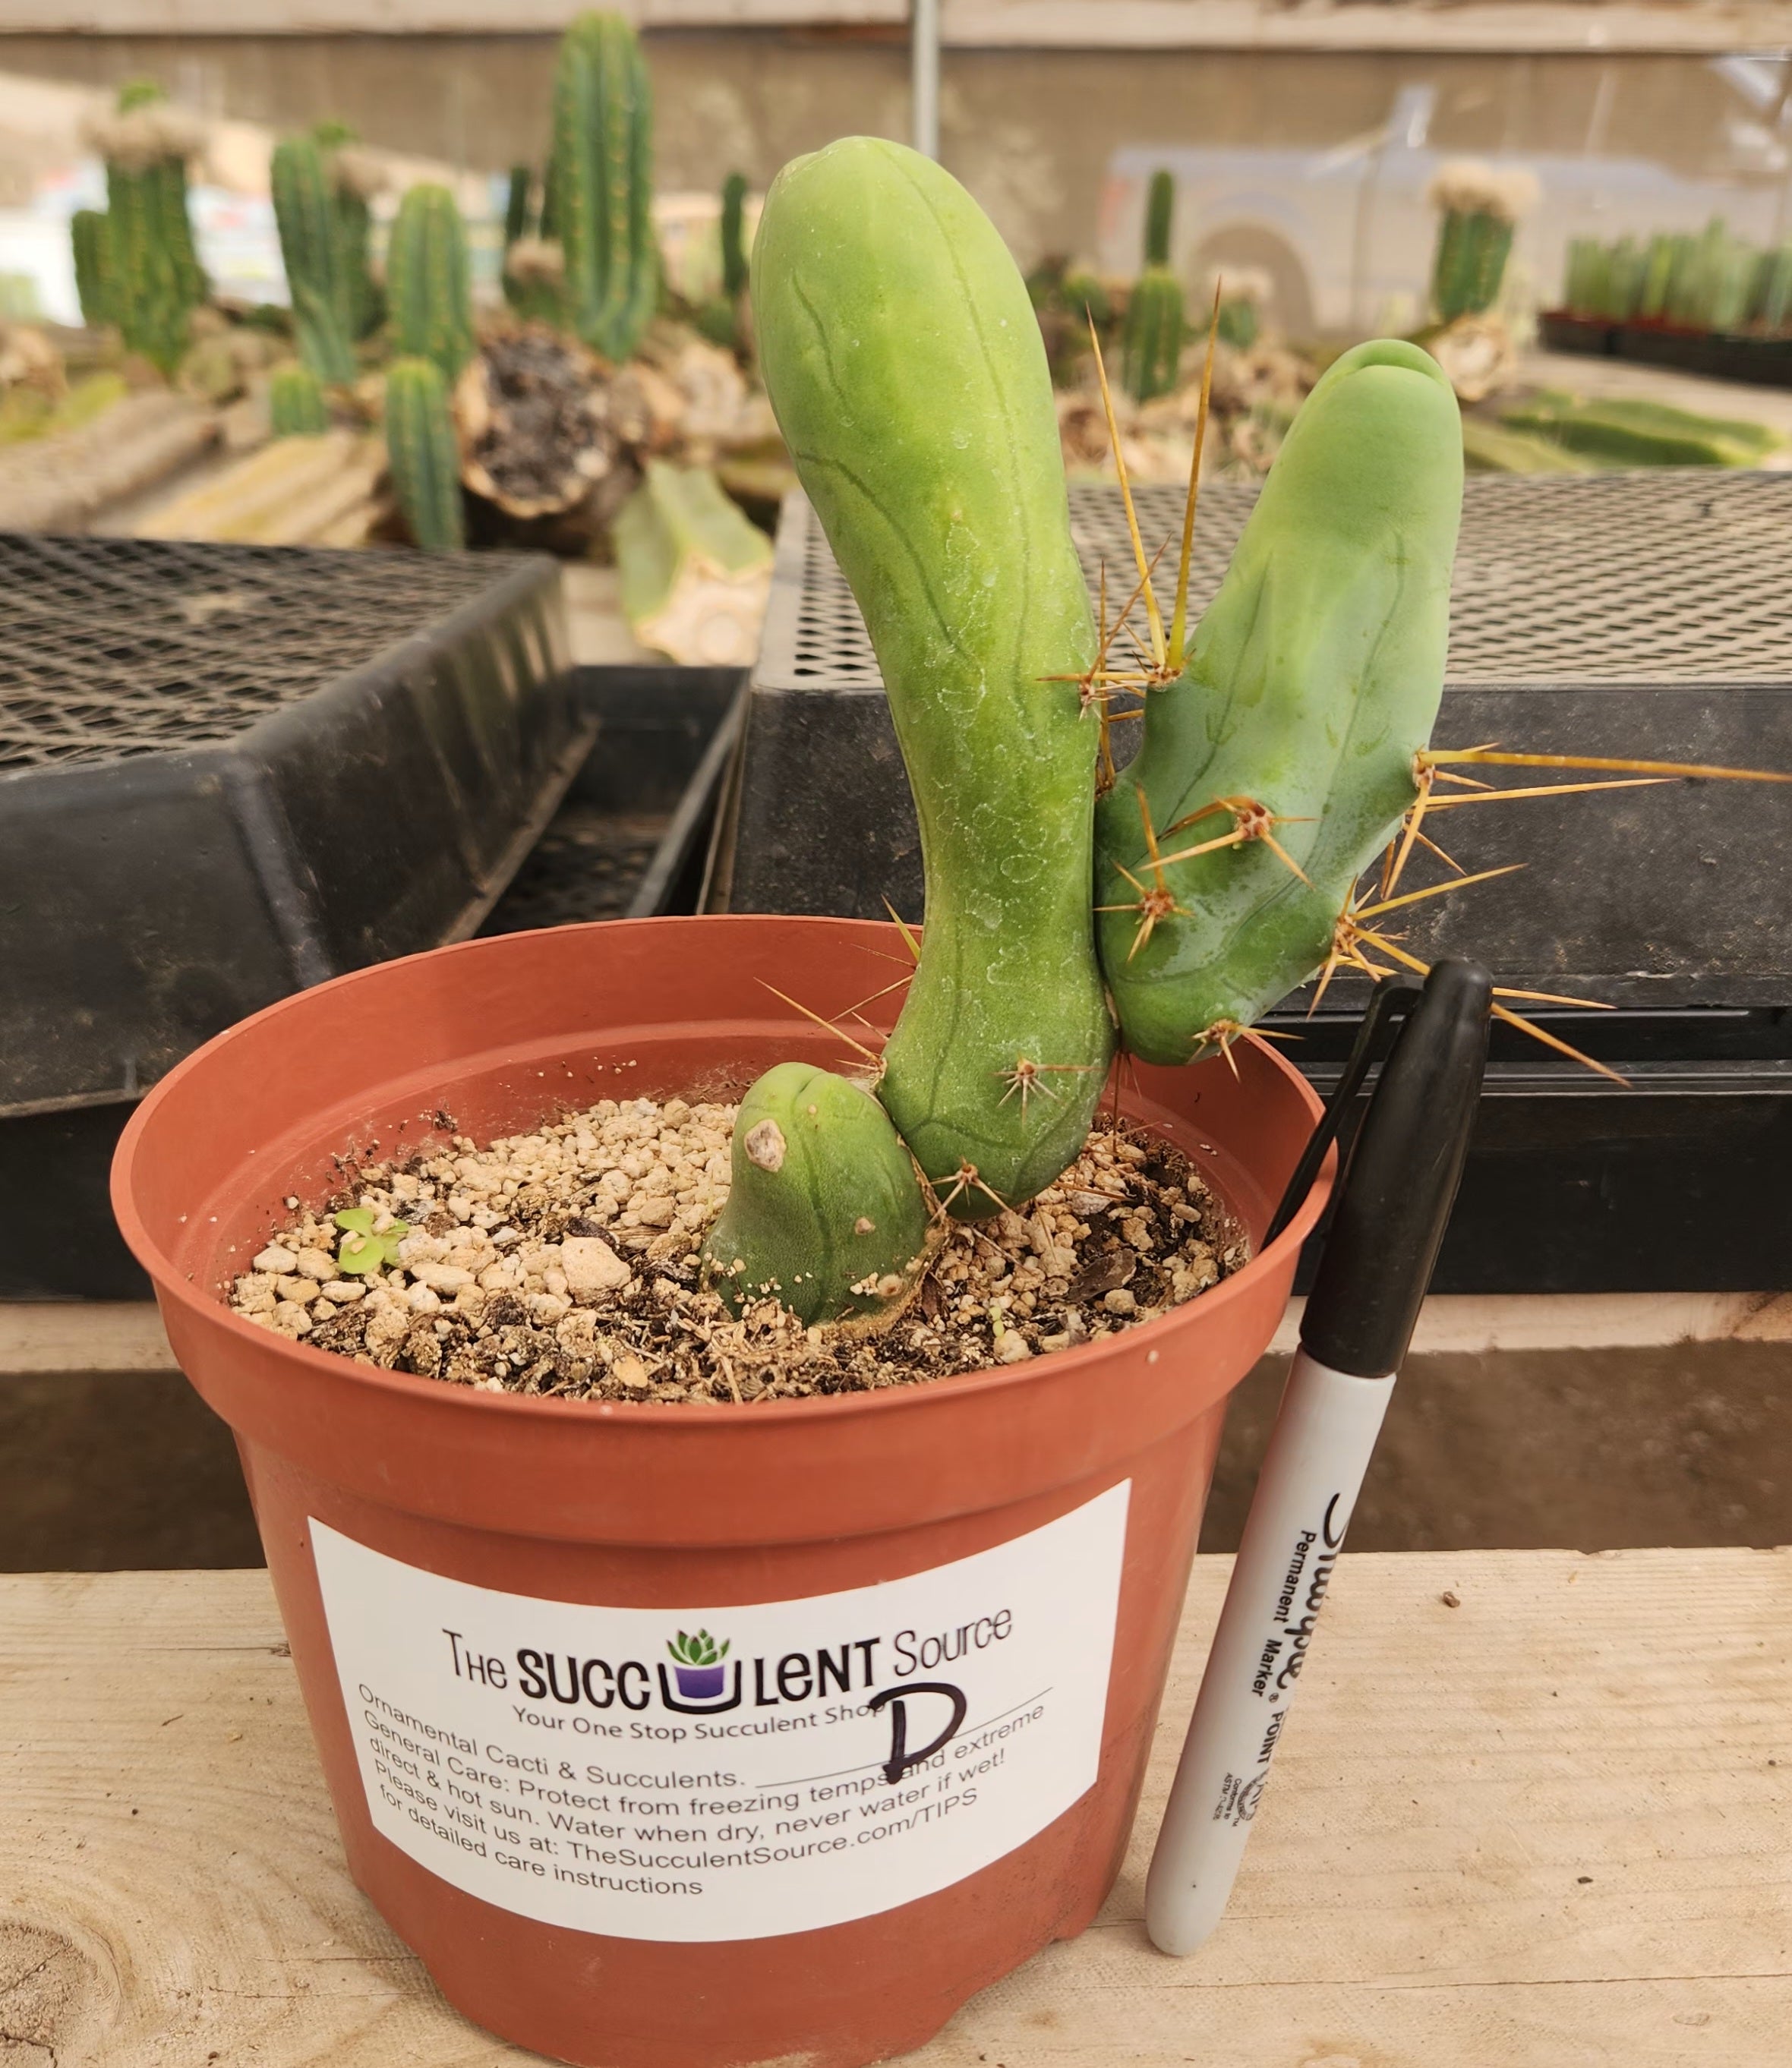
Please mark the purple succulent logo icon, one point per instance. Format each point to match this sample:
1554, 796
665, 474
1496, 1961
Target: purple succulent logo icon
697, 1665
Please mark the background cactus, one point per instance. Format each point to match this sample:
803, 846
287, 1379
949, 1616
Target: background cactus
601, 184
295, 404
721, 320
1155, 315
355, 178
310, 249
1479, 208
424, 455
149, 277
90, 234
427, 285
519, 215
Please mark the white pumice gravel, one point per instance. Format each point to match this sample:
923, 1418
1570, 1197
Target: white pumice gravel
564, 1262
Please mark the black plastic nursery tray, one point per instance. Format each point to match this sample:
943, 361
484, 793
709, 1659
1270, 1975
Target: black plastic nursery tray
1558, 331
227, 773
1764, 362
1616, 614
631, 838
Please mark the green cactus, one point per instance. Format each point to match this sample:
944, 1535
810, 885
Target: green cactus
930, 453
1086, 298
1155, 315
1151, 348
518, 205
427, 281
1239, 322
424, 456
601, 183
734, 258
296, 403
1469, 265
150, 278
826, 1214
1775, 299
1160, 203
90, 236
311, 249
1312, 682
1637, 432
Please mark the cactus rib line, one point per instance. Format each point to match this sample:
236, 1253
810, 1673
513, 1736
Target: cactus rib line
828, 465
1004, 401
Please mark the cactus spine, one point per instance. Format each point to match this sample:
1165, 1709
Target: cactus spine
295, 404
427, 282
601, 183
311, 249
424, 455
149, 277
1156, 318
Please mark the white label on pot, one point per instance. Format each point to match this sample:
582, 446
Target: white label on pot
728, 1772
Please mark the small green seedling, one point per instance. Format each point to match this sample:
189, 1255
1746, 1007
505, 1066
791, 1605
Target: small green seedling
360, 1249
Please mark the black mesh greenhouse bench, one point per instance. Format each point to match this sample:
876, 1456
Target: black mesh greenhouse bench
227, 773
1632, 614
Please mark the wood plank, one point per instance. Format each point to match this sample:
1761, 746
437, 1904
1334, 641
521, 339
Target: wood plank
1495, 27
1549, 1826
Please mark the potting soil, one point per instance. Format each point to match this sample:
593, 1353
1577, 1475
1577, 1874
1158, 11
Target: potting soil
564, 1262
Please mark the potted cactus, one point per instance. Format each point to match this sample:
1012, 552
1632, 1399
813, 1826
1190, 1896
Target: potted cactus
914, 1760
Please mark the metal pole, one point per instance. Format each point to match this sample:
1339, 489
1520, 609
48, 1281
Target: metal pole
924, 74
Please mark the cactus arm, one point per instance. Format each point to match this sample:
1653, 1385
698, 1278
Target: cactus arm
1313, 680
902, 358
826, 1214
424, 456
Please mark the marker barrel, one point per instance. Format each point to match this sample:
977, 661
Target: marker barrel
1324, 1437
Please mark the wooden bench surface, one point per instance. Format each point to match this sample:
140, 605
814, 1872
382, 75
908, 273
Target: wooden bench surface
1550, 1826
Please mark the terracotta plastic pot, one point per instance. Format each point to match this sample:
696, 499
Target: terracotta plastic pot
948, 1607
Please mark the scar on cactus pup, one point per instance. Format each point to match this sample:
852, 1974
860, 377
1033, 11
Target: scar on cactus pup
1285, 738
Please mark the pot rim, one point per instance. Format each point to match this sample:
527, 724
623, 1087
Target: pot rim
210, 1312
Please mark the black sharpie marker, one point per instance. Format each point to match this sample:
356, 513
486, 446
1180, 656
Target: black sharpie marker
1394, 1205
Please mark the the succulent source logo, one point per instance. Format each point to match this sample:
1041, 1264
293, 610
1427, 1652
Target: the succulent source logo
697, 1665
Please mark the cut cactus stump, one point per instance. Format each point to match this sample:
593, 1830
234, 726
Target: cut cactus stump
695, 573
